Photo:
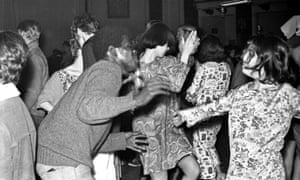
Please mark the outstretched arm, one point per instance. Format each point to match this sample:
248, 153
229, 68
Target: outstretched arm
203, 112
99, 101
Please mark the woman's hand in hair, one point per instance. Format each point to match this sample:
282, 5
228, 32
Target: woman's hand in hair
189, 46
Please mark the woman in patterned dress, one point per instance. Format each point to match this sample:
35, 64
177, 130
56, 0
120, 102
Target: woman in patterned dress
260, 112
168, 145
211, 81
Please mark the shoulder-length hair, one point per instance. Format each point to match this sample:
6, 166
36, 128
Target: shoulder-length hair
157, 34
273, 57
211, 49
13, 55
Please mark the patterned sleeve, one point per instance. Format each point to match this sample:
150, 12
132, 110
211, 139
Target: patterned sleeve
296, 102
191, 94
35, 83
216, 108
174, 70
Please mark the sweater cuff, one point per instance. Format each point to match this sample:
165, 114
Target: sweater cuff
120, 139
132, 103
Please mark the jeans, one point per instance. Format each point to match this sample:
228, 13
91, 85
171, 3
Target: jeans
81, 172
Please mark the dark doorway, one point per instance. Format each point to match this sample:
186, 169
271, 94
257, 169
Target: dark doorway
155, 10
190, 13
243, 23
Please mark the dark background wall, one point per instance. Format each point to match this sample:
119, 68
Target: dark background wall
55, 16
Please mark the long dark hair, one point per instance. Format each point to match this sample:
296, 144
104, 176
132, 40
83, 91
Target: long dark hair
157, 34
273, 55
211, 49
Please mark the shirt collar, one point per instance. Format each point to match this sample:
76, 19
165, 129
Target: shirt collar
8, 91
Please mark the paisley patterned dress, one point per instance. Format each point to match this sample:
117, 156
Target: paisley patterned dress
259, 118
167, 143
211, 82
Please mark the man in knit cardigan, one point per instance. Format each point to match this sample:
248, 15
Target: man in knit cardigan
78, 126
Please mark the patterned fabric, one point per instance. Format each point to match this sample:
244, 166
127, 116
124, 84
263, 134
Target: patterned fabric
259, 118
211, 81
167, 144
66, 79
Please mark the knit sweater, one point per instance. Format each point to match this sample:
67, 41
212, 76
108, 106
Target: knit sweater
79, 124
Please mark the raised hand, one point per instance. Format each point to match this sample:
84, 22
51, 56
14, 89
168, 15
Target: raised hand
190, 45
136, 141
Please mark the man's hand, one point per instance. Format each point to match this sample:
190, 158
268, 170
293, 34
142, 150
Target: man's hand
136, 141
155, 86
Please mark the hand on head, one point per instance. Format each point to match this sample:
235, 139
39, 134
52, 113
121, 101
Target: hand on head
189, 45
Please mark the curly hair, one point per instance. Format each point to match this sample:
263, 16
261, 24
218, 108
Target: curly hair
13, 55
273, 57
30, 28
86, 22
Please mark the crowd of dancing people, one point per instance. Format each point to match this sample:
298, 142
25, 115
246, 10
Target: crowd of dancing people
180, 88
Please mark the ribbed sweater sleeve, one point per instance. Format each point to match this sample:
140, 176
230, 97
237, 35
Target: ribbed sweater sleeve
100, 102
114, 142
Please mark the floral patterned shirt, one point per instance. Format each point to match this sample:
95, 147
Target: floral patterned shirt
259, 118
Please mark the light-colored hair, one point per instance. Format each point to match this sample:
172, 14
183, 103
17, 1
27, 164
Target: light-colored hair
13, 55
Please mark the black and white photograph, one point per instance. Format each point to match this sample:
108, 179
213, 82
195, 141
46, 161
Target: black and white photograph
150, 90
